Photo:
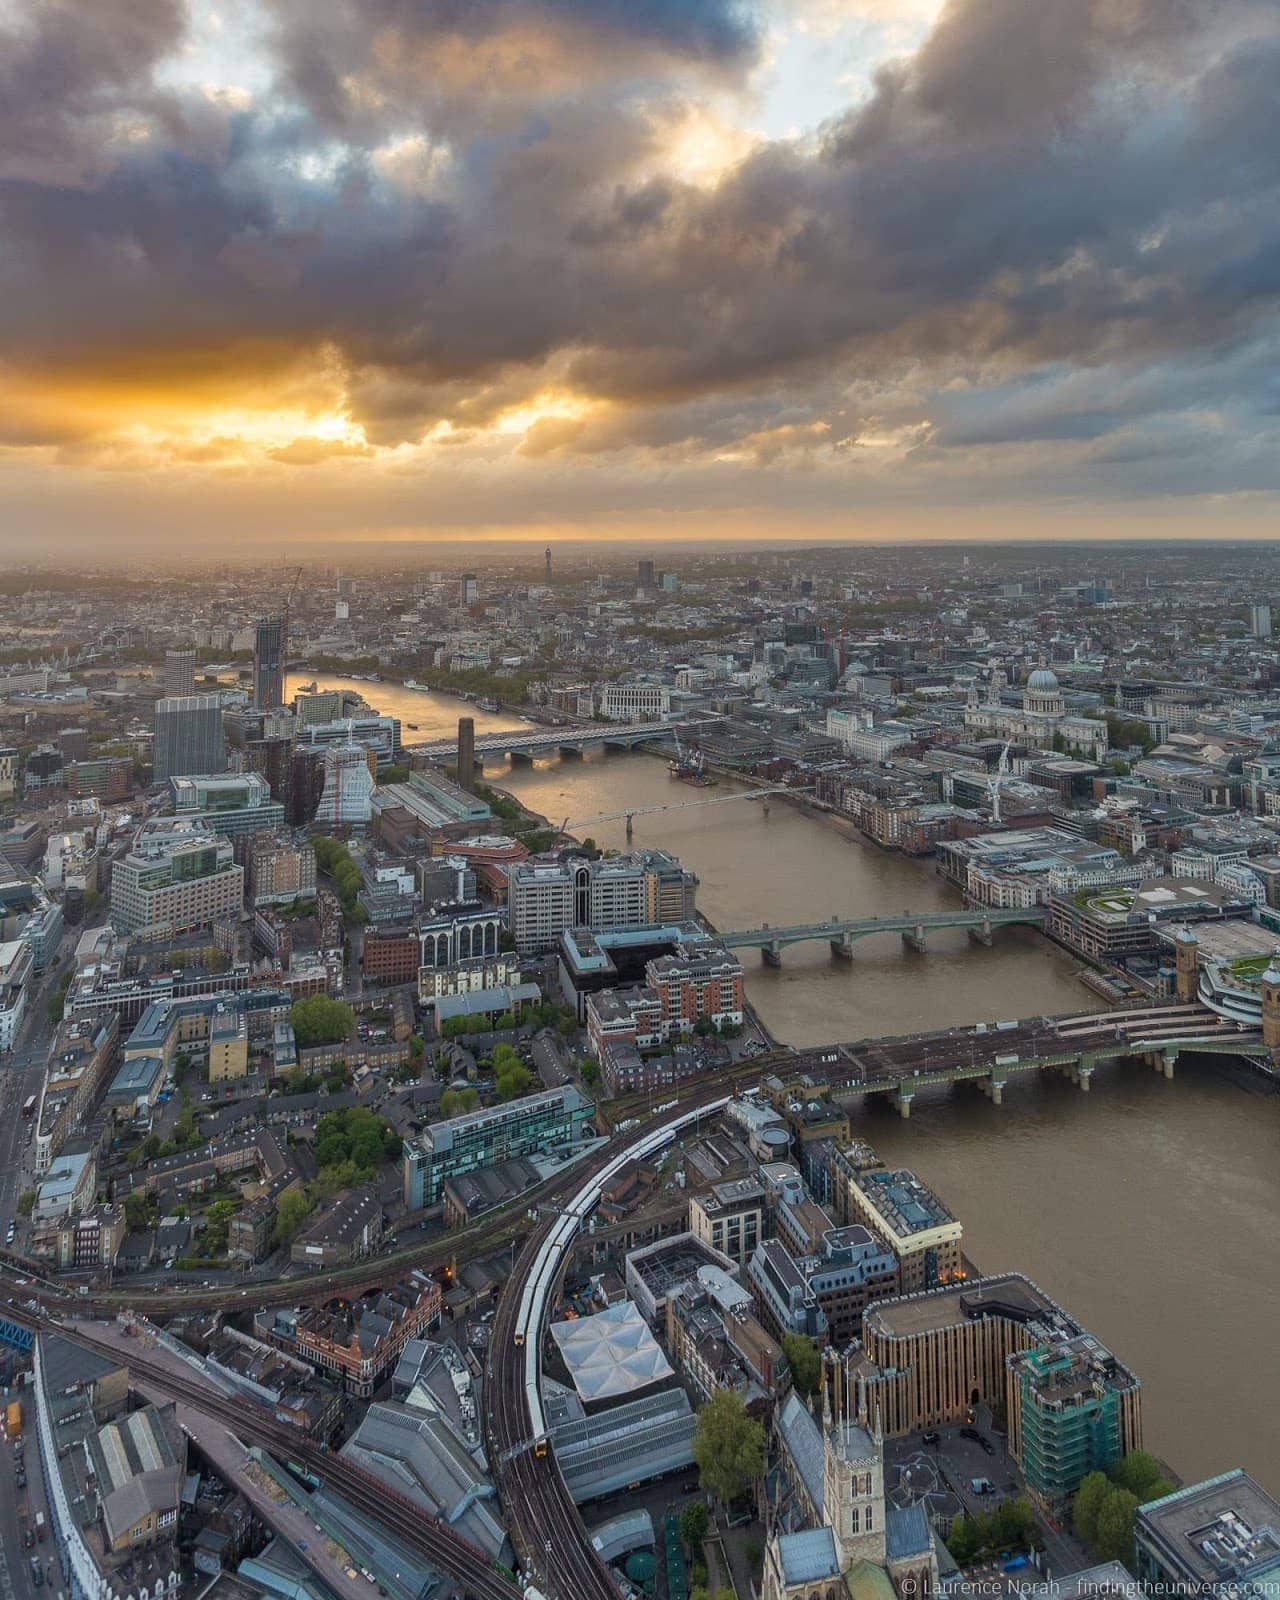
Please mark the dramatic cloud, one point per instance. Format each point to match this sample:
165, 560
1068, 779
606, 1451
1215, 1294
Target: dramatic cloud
1037, 254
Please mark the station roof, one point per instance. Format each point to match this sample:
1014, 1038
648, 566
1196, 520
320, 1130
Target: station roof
611, 1354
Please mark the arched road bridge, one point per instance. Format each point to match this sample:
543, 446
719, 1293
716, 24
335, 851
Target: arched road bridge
914, 926
531, 741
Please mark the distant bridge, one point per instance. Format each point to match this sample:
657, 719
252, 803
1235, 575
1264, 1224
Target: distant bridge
914, 927
532, 741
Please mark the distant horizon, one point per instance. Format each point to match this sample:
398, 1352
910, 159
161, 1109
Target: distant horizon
419, 552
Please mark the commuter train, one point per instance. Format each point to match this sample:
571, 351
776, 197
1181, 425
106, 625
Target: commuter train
546, 1266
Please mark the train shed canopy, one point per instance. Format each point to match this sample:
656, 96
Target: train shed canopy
612, 1354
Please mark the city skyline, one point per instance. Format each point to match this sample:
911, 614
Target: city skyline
544, 269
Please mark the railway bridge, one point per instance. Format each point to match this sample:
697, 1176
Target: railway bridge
913, 926
991, 1055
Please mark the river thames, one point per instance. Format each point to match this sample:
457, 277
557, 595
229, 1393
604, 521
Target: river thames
1149, 1209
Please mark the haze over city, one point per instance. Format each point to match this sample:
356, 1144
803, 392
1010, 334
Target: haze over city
801, 269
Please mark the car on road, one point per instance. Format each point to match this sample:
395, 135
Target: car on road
931, 1438
985, 1444
970, 1433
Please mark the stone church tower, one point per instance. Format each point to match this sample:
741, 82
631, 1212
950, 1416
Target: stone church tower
852, 1475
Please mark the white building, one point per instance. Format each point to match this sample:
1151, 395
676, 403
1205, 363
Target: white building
175, 879
347, 800
16, 962
634, 702
1042, 722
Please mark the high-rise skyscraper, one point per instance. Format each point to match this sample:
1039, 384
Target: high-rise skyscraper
546, 570
189, 738
268, 663
179, 672
1260, 620
470, 591
644, 574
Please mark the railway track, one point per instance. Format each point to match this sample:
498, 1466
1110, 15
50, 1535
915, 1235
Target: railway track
426, 1535
480, 1238
545, 1522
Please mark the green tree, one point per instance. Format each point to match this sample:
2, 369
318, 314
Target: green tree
802, 1358
589, 1071
1088, 1502
455, 1102
1114, 1540
1139, 1472
319, 1020
695, 1519
354, 1135
137, 1210
292, 1210
26, 1202
56, 1005
965, 1540
514, 1081
728, 1446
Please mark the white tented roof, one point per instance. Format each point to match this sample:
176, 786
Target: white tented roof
610, 1354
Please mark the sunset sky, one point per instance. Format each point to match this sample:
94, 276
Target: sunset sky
325, 269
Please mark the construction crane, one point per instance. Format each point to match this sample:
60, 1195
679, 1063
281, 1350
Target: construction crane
997, 778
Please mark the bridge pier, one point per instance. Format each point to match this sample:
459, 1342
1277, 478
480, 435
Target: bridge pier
571, 752
771, 954
631, 821
1079, 1072
1162, 1061
982, 933
902, 1103
520, 758
842, 948
913, 938
993, 1088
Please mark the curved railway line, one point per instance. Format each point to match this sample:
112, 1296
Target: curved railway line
545, 1522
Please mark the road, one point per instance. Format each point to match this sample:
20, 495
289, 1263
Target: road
21, 1075
18, 1507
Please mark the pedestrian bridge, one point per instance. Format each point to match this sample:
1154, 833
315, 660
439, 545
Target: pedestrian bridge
913, 926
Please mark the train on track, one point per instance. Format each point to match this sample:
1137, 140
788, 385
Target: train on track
541, 1281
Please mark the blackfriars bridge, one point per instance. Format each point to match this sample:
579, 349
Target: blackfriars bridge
530, 741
